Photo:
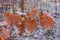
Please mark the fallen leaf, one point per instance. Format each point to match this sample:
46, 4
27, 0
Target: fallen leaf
16, 18
32, 14
5, 33
8, 18
46, 21
1, 38
31, 25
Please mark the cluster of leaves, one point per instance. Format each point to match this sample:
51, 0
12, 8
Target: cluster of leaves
27, 21
22, 21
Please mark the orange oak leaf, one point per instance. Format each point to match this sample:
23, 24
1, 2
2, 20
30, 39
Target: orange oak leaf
5, 33
16, 18
46, 21
33, 13
1, 38
31, 25
8, 18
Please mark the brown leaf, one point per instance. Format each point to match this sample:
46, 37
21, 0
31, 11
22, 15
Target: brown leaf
46, 21
5, 33
8, 18
16, 19
33, 13
1, 38
31, 25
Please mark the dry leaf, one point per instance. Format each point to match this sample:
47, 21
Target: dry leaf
31, 25
8, 18
5, 33
46, 21
16, 19
1, 38
33, 13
